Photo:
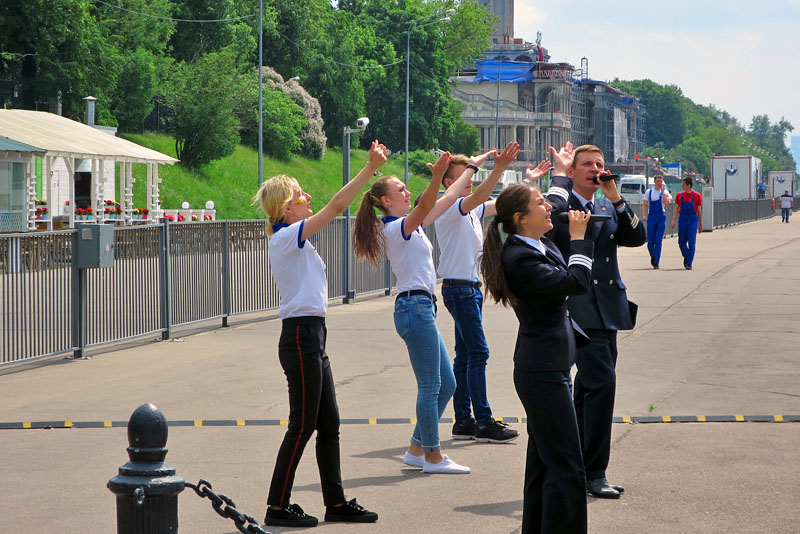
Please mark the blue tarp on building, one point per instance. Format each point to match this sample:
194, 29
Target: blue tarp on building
509, 71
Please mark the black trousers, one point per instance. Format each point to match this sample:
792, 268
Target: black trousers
595, 389
555, 486
312, 406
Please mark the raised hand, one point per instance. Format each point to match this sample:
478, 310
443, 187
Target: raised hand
378, 154
480, 158
440, 167
505, 158
562, 158
532, 174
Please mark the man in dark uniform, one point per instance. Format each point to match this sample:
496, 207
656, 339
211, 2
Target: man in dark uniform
604, 309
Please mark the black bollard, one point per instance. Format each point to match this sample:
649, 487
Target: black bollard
147, 488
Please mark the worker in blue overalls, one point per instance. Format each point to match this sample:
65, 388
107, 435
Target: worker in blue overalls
689, 205
655, 201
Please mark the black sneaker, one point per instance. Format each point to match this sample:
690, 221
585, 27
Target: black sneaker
495, 432
290, 516
464, 430
349, 512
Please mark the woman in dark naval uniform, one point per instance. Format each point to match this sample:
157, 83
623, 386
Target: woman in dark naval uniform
529, 273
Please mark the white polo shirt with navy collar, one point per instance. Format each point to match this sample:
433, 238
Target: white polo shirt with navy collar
460, 237
411, 256
299, 273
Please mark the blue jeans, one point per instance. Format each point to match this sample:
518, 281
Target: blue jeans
785, 214
465, 304
415, 322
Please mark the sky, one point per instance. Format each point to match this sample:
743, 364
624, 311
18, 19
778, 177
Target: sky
741, 56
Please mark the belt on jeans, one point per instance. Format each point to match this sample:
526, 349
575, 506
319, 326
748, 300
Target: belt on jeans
413, 292
453, 282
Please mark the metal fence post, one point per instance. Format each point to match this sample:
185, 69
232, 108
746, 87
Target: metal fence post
388, 270
80, 292
166, 283
226, 273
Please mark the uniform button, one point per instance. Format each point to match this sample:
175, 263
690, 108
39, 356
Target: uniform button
611, 236
567, 313
608, 260
595, 281
610, 282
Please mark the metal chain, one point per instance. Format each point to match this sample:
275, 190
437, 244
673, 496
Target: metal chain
225, 507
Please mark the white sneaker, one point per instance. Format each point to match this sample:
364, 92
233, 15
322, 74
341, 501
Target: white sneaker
413, 461
446, 466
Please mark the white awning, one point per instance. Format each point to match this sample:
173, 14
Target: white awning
62, 137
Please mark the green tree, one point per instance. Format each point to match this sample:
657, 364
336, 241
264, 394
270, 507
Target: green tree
666, 112
54, 51
132, 99
721, 141
334, 51
140, 33
284, 119
695, 154
192, 40
202, 98
143, 24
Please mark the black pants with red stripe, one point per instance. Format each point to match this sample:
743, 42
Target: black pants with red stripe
312, 406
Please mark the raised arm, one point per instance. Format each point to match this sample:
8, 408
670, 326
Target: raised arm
427, 201
453, 192
341, 200
483, 191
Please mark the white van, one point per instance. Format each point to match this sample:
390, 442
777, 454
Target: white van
632, 187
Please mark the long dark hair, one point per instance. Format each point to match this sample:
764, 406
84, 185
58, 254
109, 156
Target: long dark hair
367, 233
513, 199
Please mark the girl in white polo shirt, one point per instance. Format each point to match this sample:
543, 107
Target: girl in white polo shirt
410, 253
299, 273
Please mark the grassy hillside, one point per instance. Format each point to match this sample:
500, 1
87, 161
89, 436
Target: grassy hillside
231, 182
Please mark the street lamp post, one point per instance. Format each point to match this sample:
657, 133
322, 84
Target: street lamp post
411, 28
260, 93
497, 109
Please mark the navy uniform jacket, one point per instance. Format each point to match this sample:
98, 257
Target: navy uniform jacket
541, 283
605, 306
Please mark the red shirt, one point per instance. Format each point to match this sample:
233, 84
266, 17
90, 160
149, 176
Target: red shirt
689, 197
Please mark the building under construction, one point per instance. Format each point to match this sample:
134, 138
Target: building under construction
517, 94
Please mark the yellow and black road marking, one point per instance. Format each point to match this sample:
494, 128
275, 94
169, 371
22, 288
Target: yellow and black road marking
639, 419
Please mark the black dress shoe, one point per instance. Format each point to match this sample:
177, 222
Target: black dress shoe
620, 489
601, 489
